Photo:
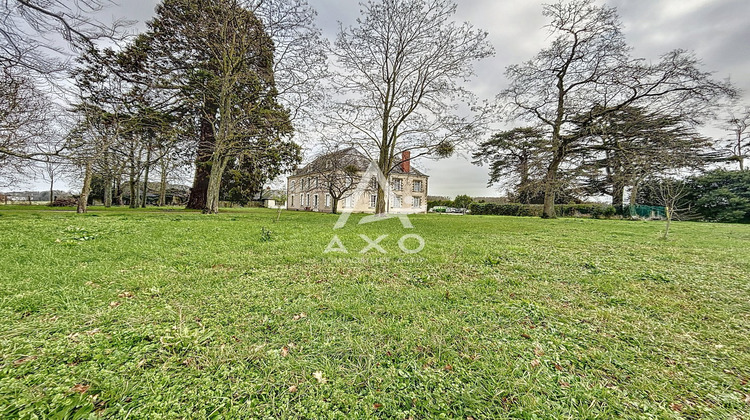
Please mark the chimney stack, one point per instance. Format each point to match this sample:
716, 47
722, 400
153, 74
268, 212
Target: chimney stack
405, 161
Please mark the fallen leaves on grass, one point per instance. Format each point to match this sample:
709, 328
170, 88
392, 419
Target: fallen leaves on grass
126, 295
80, 388
284, 351
676, 407
293, 388
299, 316
92, 284
535, 363
538, 352
23, 360
747, 398
114, 304
564, 384
319, 376
377, 406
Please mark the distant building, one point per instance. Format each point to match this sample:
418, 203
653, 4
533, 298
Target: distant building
307, 189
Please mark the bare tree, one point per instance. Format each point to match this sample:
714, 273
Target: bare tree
279, 198
52, 166
300, 61
88, 142
339, 172
587, 72
26, 122
670, 191
32, 30
739, 143
399, 82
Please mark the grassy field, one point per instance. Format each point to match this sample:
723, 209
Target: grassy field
172, 314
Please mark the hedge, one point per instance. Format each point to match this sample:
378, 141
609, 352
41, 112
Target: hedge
535, 210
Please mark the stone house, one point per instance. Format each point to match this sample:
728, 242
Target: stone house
308, 190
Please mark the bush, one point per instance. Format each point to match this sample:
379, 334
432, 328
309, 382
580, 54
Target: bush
721, 196
65, 202
506, 209
535, 210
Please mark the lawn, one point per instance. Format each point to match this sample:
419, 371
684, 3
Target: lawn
173, 314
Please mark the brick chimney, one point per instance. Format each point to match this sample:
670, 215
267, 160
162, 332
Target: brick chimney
406, 161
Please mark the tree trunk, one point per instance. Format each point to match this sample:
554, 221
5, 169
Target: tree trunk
145, 177
334, 205
199, 191
133, 187
163, 184
118, 186
214, 185
634, 194
85, 191
550, 185
108, 192
51, 188
618, 194
669, 222
384, 163
380, 203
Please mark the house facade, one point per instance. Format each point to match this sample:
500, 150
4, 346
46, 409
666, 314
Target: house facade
308, 189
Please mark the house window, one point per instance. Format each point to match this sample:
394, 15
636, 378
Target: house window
397, 202
416, 202
307, 201
316, 182
416, 186
373, 200
291, 201
301, 200
398, 184
293, 185
315, 201
328, 200
373, 183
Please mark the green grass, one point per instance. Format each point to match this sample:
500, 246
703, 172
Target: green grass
173, 314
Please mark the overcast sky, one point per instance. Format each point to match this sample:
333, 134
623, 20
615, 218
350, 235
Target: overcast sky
716, 30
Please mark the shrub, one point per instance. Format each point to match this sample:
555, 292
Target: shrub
65, 202
535, 210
